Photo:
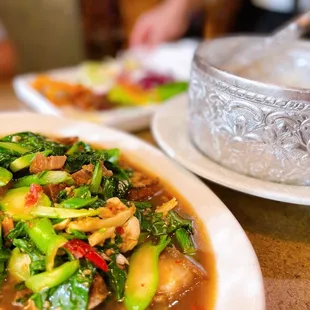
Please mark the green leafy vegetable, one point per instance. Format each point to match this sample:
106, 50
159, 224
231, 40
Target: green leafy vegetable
77, 160
82, 192
72, 294
6, 159
20, 286
5, 176
53, 278
120, 181
62, 213
62, 195
175, 221
75, 234
185, 241
113, 245
43, 235
152, 222
4, 257
78, 147
19, 265
36, 143
3, 272
45, 178
37, 259
117, 279
109, 187
81, 198
142, 204
112, 155
4, 254
13, 148
96, 179
17, 232
97, 204
77, 203
156, 225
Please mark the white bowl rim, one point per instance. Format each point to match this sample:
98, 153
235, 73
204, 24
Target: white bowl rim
226, 75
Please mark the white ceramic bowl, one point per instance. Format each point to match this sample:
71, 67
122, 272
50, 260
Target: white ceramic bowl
239, 279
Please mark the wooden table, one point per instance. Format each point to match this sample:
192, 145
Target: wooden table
279, 232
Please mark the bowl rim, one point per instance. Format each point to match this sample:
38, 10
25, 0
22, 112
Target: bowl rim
294, 93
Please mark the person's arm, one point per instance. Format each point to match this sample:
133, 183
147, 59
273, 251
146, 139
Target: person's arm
167, 21
7, 55
7, 59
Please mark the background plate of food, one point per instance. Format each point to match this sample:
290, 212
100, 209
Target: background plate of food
97, 217
122, 92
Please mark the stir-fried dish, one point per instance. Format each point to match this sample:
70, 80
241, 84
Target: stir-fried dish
82, 228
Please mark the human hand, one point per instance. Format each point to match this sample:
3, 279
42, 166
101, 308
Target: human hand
7, 59
167, 21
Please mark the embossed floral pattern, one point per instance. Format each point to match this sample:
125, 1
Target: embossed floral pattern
250, 133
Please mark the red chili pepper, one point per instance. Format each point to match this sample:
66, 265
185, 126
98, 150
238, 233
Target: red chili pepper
81, 249
33, 196
119, 230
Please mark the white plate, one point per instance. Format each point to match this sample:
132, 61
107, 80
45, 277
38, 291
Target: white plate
171, 133
128, 119
165, 58
239, 283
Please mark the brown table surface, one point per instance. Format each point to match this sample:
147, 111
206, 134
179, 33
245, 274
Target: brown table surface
279, 233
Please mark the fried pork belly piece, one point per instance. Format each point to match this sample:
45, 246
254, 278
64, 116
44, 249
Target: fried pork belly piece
41, 163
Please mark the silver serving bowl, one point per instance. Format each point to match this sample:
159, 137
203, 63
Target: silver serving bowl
257, 125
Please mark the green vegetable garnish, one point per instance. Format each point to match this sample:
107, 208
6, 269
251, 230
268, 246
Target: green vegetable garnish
31, 142
62, 213
13, 148
185, 241
142, 280
77, 203
45, 178
41, 232
73, 293
5, 176
19, 265
49, 279
96, 179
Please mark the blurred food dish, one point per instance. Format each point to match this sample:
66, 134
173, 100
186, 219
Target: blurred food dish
123, 92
